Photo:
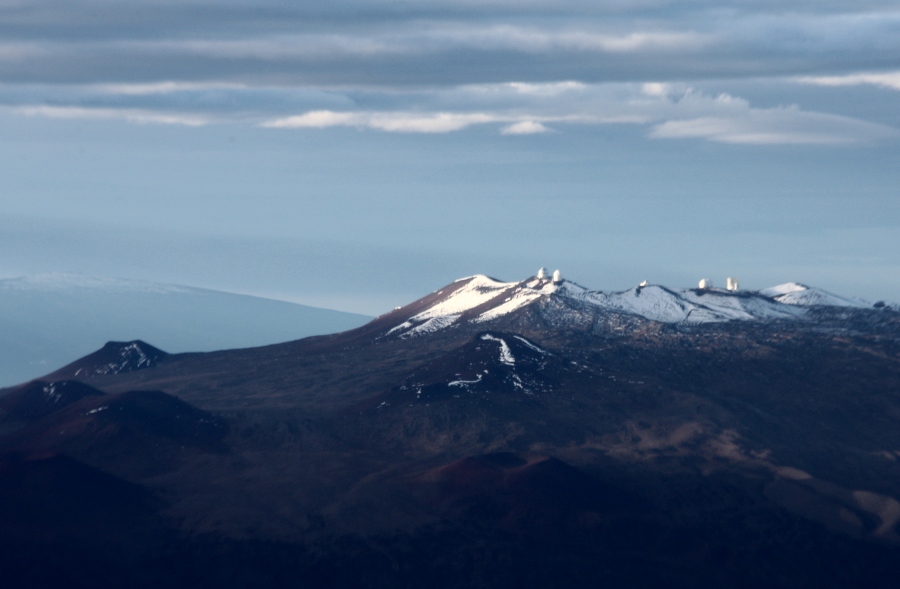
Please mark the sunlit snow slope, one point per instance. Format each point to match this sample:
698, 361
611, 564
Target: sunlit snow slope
479, 299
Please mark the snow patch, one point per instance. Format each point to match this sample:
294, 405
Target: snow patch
532, 346
515, 302
462, 383
787, 287
50, 391
479, 290
401, 327
432, 325
661, 304
813, 296
506, 356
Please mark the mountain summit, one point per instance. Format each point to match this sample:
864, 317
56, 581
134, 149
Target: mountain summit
480, 299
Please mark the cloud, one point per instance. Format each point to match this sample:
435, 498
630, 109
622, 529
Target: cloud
395, 122
524, 128
656, 89
737, 131
668, 110
317, 119
775, 126
539, 39
165, 87
449, 43
429, 123
672, 112
12, 51
281, 47
889, 80
547, 89
130, 115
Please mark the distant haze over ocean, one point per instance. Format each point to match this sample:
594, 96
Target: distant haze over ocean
49, 320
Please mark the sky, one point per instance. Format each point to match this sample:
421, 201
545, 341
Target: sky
357, 155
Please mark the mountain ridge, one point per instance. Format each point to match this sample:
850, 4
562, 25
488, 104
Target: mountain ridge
480, 299
563, 442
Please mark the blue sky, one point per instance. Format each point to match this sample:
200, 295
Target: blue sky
360, 154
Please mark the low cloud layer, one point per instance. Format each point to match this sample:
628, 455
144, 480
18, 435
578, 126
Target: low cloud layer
889, 80
443, 66
442, 42
664, 110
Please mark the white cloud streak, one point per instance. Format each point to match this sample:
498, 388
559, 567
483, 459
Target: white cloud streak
667, 110
448, 43
746, 131
673, 112
727, 119
525, 128
12, 52
129, 115
441, 122
889, 80
395, 122
537, 40
165, 87
414, 39
316, 119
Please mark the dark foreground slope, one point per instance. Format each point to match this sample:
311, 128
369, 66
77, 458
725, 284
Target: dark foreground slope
560, 445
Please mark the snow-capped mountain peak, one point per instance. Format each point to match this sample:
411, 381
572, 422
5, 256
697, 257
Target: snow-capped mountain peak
793, 293
480, 299
783, 289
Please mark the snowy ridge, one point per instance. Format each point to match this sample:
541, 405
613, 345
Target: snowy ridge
131, 357
793, 293
477, 291
480, 299
691, 306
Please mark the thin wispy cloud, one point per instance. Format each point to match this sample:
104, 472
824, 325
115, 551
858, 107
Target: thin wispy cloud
129, 115
672, 113
525, 128
883, 80
166, 87
666, 110
771, 128
449, 42
542, 39
728, 119
397, 122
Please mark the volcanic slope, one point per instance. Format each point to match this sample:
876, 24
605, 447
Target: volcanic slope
526, 434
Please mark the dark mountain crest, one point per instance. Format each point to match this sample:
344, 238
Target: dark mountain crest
128, 356
517, 491
40, 398
490, 363
158, 414
133, 421
114, 358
